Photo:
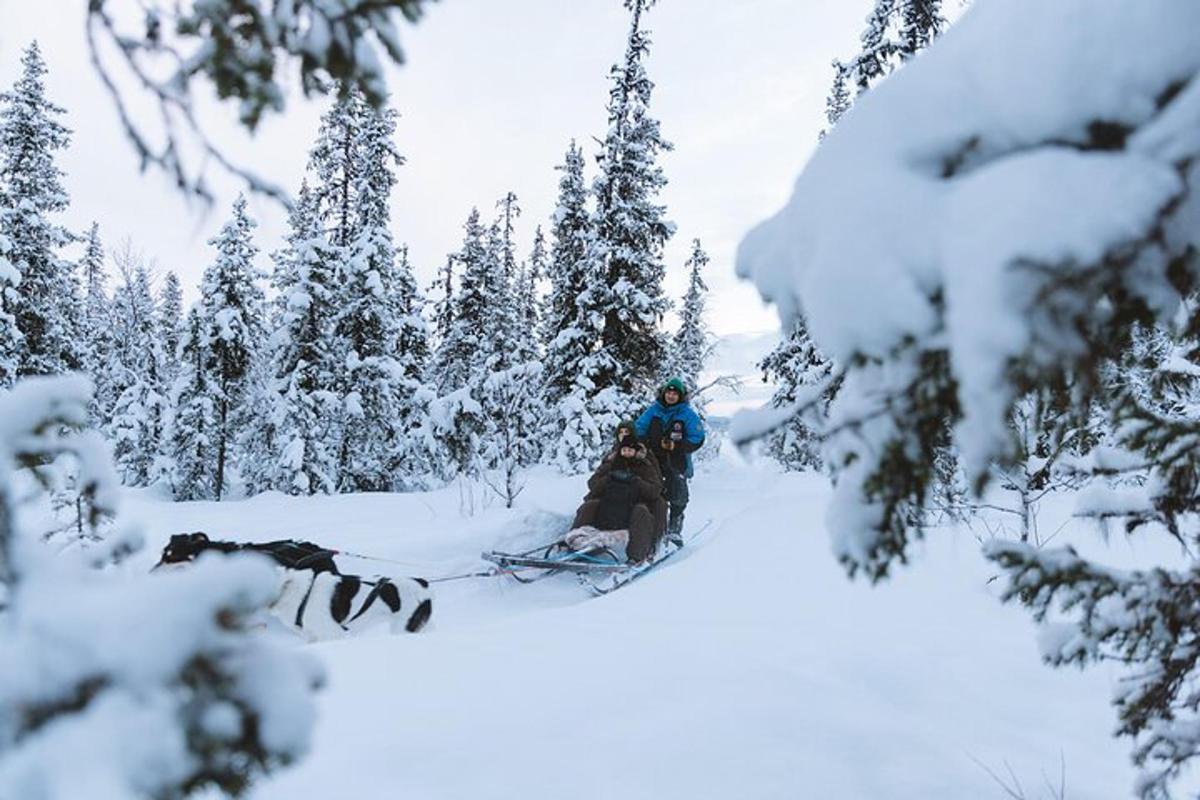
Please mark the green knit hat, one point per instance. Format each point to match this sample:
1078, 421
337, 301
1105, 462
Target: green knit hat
676, 384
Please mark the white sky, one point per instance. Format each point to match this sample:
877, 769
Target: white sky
490, 97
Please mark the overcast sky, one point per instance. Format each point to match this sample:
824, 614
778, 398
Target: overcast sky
490, 97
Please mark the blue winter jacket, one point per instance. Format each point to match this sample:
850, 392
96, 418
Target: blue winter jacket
693, 428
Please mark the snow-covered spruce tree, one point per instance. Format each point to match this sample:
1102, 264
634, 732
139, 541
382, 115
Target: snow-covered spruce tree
976, 302
97, 341
1160, 368
443, 307
141, 407
630, 233
170, 314
510, 209
533, 273
414, 355
10, 334
375, 385
571, 331
511, 400
452, 434
896, 30
292, 441
182, 708
802, 376
514, 284
466, 343
231, 316
334, 161
566, 335
412, 342
189, 450
693, 342
487, 384
257, 440
507, 346
31, 192
508, 386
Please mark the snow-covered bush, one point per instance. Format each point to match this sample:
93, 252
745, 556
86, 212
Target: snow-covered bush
452, 433
511, 401
993, 222
128, 685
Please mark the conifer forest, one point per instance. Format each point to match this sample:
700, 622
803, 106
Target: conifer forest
355, 353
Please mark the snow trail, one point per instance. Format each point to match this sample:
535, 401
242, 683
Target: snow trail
746, 666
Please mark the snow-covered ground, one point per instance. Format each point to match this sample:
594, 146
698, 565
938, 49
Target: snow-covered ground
747, 667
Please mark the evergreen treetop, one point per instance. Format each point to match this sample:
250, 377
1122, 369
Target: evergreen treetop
630, 229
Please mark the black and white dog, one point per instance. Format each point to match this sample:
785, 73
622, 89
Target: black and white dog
315, 598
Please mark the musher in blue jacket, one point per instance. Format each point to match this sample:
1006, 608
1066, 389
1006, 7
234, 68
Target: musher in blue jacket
673, 431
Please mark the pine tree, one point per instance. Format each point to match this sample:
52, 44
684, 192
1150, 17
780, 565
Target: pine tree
509, 211
630, 233
920, 22
375, 384
231, 316
507, 379
464, 346
895, 31
511, 401
571, 330
334, 160
532, 275
801, 375
45, 303
291, 443
10, 335
412, 342
189, 446
141, 407
838, 102
507, 285
568, 334
693, 342
170, 314
453, 433
500, 310
97, 343
443, 309
305, 370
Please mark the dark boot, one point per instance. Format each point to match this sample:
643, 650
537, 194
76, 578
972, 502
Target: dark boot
675, 528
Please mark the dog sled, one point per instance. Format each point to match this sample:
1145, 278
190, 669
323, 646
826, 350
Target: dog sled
600, 567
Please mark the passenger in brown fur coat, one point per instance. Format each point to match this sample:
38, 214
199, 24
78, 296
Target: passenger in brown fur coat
661, 507
622, 495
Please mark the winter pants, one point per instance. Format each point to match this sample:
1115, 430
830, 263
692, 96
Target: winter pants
643, 529
675, 487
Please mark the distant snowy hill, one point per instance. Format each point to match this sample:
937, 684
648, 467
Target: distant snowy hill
738, 354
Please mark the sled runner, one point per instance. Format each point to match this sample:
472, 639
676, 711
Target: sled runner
601, 570
554, 558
